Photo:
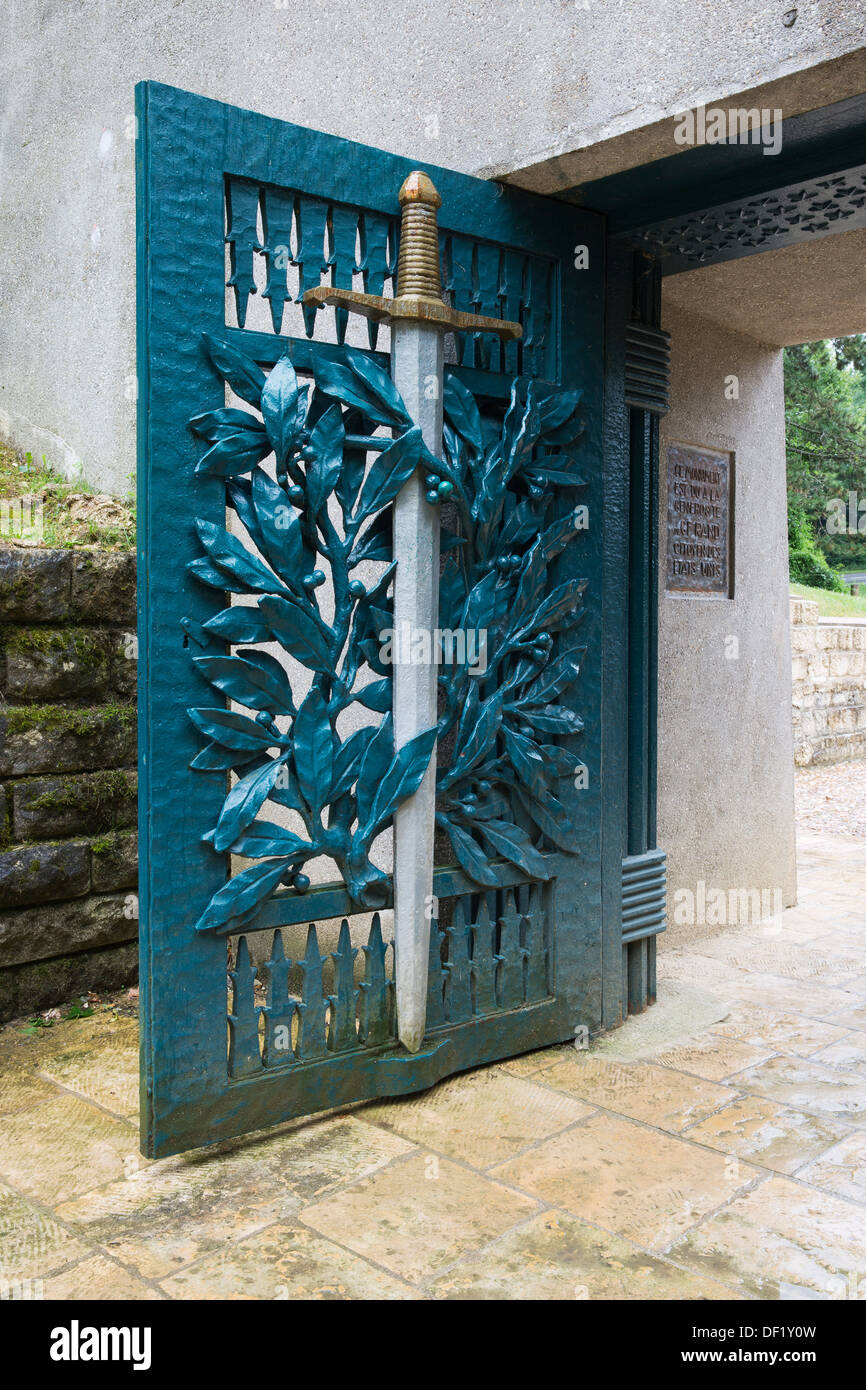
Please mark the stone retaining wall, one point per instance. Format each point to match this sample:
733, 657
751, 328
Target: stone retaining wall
829, 687
68, 845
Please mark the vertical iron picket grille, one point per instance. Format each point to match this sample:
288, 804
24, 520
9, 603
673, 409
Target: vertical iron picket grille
493, 957
320, 241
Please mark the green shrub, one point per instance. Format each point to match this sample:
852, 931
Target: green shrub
807, 562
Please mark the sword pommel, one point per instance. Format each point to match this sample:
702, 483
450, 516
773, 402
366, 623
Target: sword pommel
418, 187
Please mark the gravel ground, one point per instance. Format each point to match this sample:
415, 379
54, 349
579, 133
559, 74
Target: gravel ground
832, 798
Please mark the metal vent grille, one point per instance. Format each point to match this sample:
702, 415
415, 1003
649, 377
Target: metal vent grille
644, 895
644, 899
647, 368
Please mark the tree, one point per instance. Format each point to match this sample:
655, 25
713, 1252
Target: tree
825, 417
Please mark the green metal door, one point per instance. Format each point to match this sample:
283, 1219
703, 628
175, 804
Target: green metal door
268, 448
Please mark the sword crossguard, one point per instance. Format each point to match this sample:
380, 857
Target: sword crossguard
419, 285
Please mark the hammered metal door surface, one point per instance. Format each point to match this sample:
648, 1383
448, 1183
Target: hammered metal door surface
229, 615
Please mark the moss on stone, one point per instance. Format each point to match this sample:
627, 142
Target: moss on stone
93, 794
82, 722
106, 844
41, 969
88, 649
23, 587
23, 640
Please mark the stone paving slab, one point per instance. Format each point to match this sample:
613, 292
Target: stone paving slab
32, 1243
418, 1216
713, 1147
841, 1169
847, 1054
170, 1213
778, 1032
637, 1182
286, 1262
853, 1016
806, 1084
830, 798
99, 1279
482, 1118
792, 960
20, 1091
530, 1063
684, 1013
657, 1095
107, 1075
714, 1058
774, 1136
65, 1147
781, 1240
558, 1256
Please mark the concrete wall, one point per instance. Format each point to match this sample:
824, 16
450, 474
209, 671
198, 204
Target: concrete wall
497, 85
829, 676
726, 813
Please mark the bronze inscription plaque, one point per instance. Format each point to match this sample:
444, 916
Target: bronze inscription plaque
700, 521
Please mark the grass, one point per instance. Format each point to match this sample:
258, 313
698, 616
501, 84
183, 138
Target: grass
832, 605
22, 477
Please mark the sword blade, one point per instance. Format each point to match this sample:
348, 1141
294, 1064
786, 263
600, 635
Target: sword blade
417, 371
